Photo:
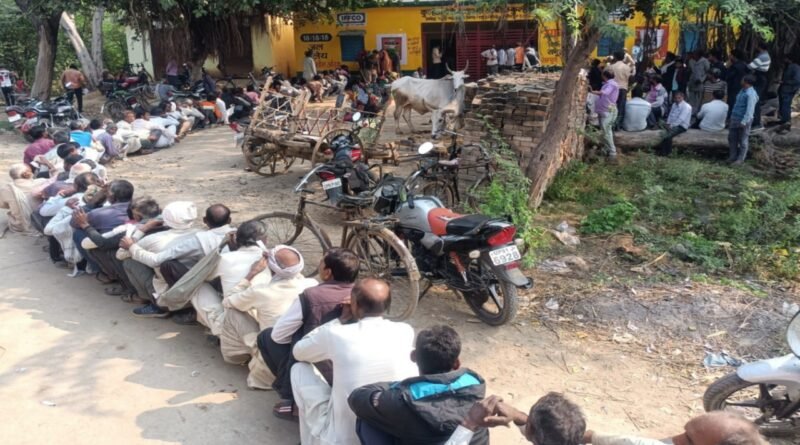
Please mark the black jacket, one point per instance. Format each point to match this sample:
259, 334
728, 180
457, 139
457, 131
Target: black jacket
421, 410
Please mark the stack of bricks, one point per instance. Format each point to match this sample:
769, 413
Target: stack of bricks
517, 105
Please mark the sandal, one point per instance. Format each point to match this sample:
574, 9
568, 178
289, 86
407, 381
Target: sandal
115, 291
133, 299
103, 278
286, 410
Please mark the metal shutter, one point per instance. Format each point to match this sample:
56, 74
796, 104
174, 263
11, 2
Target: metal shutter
474, 42
351, 47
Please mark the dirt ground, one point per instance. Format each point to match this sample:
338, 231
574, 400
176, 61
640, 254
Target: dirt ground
76, 366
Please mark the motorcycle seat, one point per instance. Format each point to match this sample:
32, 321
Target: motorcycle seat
359, 201
440, 218
464, 224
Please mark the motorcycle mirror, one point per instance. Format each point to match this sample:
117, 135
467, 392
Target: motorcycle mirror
793, 334
425, 148
356, 116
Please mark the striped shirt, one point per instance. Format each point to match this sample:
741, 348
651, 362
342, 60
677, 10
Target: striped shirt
761, 62
709, 87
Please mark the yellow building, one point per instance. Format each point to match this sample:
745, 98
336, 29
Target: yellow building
413, 30
268, 45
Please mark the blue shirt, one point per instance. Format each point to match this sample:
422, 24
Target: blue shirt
745, 106
82, 138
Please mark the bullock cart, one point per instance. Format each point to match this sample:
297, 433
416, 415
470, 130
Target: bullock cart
282, 130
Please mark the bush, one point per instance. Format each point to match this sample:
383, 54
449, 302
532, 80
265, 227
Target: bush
609, 219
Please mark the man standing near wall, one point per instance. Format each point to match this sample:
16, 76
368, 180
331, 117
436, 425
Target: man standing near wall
622, 72
491, 61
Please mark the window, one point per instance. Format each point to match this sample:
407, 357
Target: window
690, 40
352, 45
607, 45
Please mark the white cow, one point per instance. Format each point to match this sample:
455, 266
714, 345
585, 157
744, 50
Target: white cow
423, 95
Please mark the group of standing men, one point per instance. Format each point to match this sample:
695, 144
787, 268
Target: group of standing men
689, 94
514, 58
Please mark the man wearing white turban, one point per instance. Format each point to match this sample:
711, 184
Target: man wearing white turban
178, 217
255, 304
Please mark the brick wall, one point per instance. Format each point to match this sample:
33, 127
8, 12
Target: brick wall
517, 105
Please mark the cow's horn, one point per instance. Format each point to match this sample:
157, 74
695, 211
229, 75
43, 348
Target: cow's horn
448, 68
466, 67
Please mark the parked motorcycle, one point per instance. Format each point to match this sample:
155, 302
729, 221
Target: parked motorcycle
121, 100
767, 392
57, 112
476, 256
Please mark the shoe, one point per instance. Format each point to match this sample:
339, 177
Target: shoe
185, 317
133, 299
737, 163
757, 129
150, 311
115, 291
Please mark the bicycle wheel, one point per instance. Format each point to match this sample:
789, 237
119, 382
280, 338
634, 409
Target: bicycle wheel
477, 193
440, 189
115, 109
301, 233
383, 255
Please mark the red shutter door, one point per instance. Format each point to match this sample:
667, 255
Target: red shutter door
475, 41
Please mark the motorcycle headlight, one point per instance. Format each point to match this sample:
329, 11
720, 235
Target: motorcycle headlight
793, 334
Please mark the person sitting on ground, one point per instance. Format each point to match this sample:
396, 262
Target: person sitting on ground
192, 115
715, 428
316, 88
316, 305
637, 110
679, 120
210, 110
712, 115
111, 149
657, 96
41, 144
368, 349
252, 95
552, 420
232, 268
177, 220
221, 110
96, 127
101, 248
713, 83
423, 410
17, 197
131, 140
105, 219
256, 303
167, 125
58, 227
78, 133
180, 255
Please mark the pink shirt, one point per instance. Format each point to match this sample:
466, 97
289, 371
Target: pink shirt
608, 96
36, 148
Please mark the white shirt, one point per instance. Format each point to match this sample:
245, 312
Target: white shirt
511, 54
266, 300
189, 249
463, 436
141, 124
636, 112
713, 115
680, 115
368, 351
5, 79
491, 57
502, 57
288, 323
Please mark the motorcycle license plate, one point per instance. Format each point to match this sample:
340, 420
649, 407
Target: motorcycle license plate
332, 184
14, 118
504, 255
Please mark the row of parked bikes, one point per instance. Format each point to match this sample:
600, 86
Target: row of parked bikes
405, 231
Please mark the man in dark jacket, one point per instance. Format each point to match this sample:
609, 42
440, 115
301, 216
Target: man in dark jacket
317, 305
733, 77
423, 410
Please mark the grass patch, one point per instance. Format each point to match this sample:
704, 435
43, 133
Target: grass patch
720, 218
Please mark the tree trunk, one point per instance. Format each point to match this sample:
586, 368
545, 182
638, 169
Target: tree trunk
547, 158
84, 56
45, 59
697, 140
97, 39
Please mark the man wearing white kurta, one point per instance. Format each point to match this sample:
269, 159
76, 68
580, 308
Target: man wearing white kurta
232, 268
369, 350
255, 304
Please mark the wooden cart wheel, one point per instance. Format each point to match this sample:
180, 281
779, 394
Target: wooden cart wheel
325, 142
255, 152
271, 160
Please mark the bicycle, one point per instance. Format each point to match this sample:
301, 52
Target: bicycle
382, 254
441, 176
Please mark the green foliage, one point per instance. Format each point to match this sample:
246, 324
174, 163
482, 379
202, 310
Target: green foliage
720, 218
507, 195
17, 41
609, 219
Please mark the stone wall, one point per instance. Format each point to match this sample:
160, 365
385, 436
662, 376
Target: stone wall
517, 105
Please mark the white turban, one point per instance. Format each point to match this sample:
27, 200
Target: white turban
284, 272
179, 214
78, 169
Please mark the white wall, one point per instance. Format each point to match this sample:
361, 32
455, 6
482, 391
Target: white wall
139, 49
